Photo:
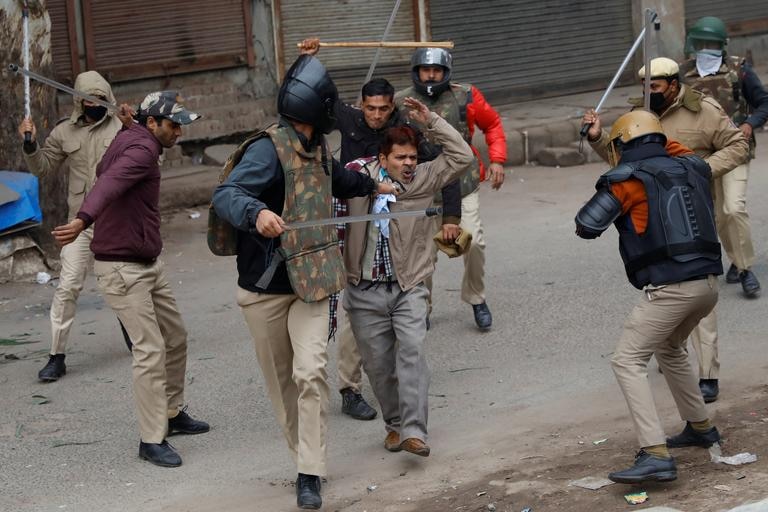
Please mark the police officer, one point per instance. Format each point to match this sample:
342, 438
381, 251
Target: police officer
662, 208
464, 107
699, 123
286, 174
733, 83
81, 141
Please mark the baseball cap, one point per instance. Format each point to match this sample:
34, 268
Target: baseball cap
166, 104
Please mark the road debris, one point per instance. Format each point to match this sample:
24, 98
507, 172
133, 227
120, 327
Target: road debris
736, 460
491, 507
599, 441
193, 214
40, 399
482, 493
723, 488
372, 488
636, 498
42, 277
592, 483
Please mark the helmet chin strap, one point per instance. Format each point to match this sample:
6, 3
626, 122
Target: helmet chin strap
429, 90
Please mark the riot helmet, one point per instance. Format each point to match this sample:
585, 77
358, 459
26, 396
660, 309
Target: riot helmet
632, 129
707, 28
308, 94
431, 57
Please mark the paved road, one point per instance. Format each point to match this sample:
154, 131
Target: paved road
558, 304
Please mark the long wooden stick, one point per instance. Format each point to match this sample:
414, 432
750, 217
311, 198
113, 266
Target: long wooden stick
386, 44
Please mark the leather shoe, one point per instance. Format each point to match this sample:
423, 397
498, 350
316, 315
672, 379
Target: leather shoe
162, 454
691, 437
183, 423
354, 405
732, 276
53, 369
392, 442
415, 446
749, 283
308, 492
709, 390
483, 317
646, 468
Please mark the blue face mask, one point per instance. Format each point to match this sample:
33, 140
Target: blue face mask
708, 61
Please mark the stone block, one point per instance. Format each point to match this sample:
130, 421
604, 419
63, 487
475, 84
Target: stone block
538, 138
562, 133
560, 156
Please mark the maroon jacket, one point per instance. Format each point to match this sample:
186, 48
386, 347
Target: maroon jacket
124, 200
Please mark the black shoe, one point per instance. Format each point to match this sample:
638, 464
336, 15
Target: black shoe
732, 276
483, 317
126, 338
53, 369
709, 390
161, 454
354, 405
183, 423
749, 283
646, 468
308, 492
691, 437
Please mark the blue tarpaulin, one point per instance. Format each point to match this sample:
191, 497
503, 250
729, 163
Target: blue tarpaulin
27, 206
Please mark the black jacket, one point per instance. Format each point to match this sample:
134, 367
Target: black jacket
358, 140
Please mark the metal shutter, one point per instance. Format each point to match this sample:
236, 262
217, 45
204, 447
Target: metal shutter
347, 20
518, 50
63, 39
742, 17
133, 39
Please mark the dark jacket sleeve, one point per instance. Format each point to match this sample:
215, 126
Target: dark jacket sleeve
127, 170
452, 202
347, 184
237, 199
756, 96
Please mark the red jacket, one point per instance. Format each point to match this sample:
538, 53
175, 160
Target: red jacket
482, 114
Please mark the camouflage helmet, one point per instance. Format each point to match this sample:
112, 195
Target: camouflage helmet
431, 57
308, 94
707, 28
638, 125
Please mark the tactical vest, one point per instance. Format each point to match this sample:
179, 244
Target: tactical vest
312, 255
680, 241
724, 87
451, 106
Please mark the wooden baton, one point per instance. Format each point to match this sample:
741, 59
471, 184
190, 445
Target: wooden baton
386, 44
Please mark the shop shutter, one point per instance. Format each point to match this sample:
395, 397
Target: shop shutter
63, 39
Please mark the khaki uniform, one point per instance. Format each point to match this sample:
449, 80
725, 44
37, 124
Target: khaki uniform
730, 191
82, 146
699, 123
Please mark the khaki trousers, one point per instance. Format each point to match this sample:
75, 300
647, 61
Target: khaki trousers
390, 327
75, 260
473, 282
704, 340
142, 299
349, 365
291, 340
659, 325
730, 194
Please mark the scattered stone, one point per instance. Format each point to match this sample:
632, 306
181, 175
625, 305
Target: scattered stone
481, 493
560, 156
592, 483
599, 441
738, 459
372, 488
723, 488
636, 498
491, 507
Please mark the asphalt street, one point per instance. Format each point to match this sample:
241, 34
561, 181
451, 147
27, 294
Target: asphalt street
558, 304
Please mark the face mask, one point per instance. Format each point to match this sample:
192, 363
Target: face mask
708, 62
95, 112
657, 100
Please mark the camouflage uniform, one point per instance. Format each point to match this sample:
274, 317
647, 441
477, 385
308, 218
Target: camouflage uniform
285, 301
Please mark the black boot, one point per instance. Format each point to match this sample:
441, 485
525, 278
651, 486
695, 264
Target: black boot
483, 317
709, 389
183, 423
354, 405
732, 276
162, 454
53, 369
749, 283
692, 437
646, 468
308, 492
